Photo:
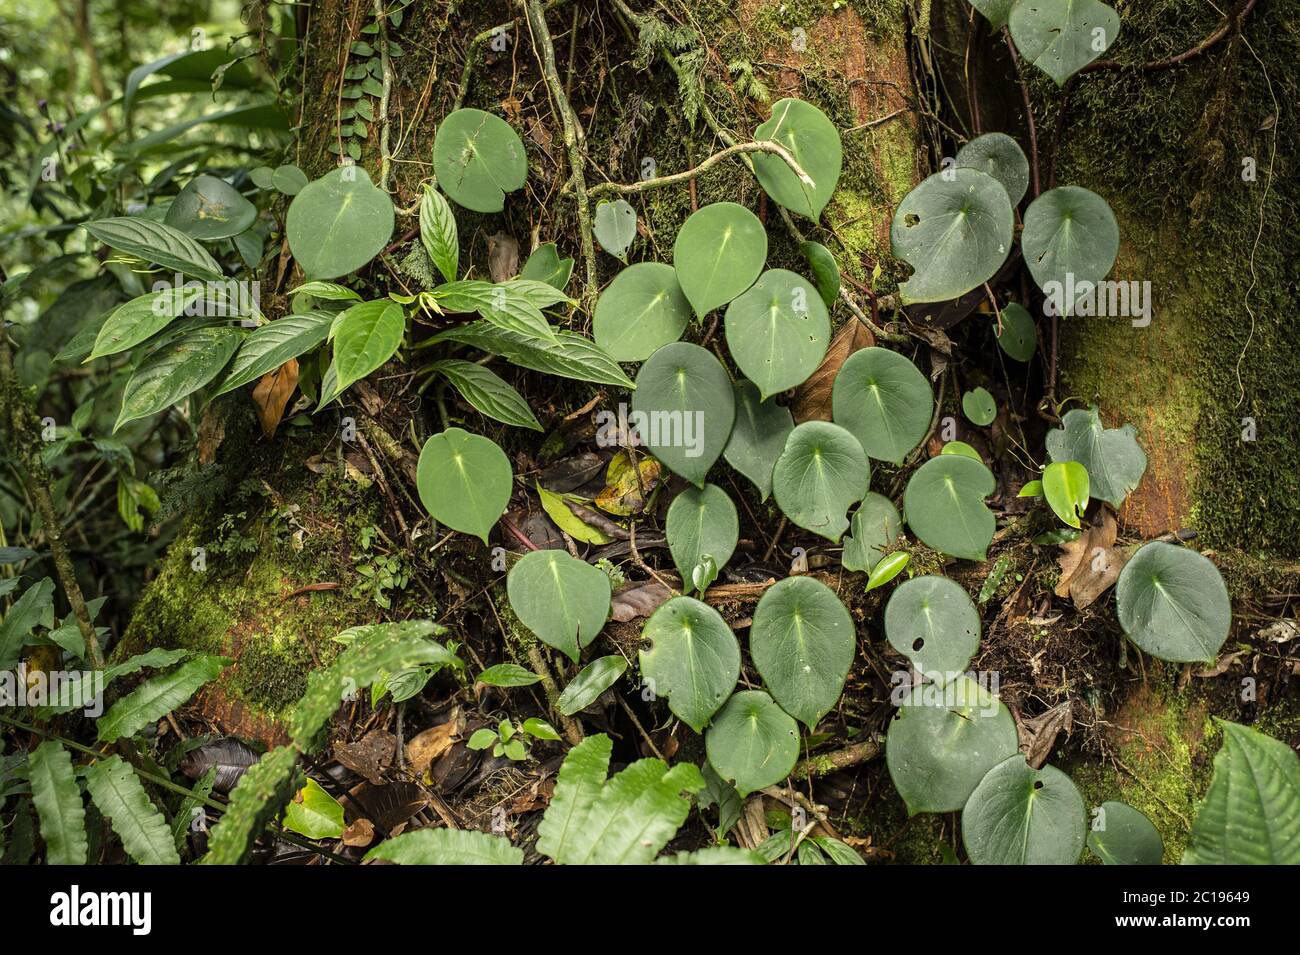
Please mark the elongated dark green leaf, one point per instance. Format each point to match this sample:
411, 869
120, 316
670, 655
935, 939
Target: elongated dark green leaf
718, 253
821, 473
478, 158
258, 798
825, 270
438, 233
464, 481
561, 599
209, 208
140, 319
177, 370
487, 392
327, 291
508, 674
683, 408
1018, 815
1114, 460
693, 659
36, 605
778, 331
884, 401
1061, 37
366, 336
701, 521
944, 505
752, 742
117, 792
271, 345
158, 243
933, 622
447, 847
592, 680
1070, 242
1121, 835
499, 304
338, 223
57, 798
803, 641
641, 310
262, 114
1001, 157
873, 530
814, 142
158, 696
1172, 602
1251, 813
569, 356
758, 436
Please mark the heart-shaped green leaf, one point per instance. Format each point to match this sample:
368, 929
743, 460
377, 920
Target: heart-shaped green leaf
825, 270
487, 392
933, 622
366, 336
683, 408
1251, 813
943, 740
288, 179
141, 318
1065, 485
1018, 815
1112, 456
314, 813
979, 407
962, 448
821, 473
478, 158
955, 230
778, 331
1120, 835
1061, 37
996, 11
271, 345
641, 310
701, 521
944, 505
719, 252
802, 641
693, 659
438, 233
874, 528
176, 370
592, 680
884, 401
752, 742
814, 142
464, 481
545, 265
156, 242
1019, 335
209, 208
615, 227
1070, 242
561, 599
338, 223
757, 437
1000, 156
1172, 602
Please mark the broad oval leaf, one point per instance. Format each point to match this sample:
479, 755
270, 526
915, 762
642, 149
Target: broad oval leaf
1172, 602
825, 270
508, 674
615, 227
640, 311
176, 370
757, 437
209, 208
999, 156
814, 142
487, 392
438, 233
57, 798
1061, 37
288, 179
561, 599
1065, 485
778, 331
464, 481
158, 696
944, 505
873, 530
592, 680
933, 622
1018, 815
718, 254
955, 230
545, 265
338, 223
683, 408
1121, 835
701, 521
117, 791
478, 158
962, 448
271, 345
752, 742
156, 242
943, 740
979, 407
693, 659
365, 336
820, 474
1019, 335
1070, 241
884, 401
996, 11
1114, 460
803, 641
447, 847
141, 318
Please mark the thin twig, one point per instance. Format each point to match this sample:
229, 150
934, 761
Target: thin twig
758, 146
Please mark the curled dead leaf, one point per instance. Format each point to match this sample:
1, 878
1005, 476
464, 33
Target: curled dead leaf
272, 395
812, 400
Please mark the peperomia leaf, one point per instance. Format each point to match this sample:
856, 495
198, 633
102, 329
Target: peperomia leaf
752, 742
1172, 603
1070, 242
271, 345
464, 481
1251, 813
996, 11
592, 680
478, 158
156, 242
288, 179
338, 223
545, 265
955, 230
718, 254
1001, 157
814, 142
758, 436
820, 474
943, 740
693, 659
117, 791
57, 798
365, 336
874, 528
447, 847
932, 621
561, 599
1121, 835
684, 408
487, 392
803, 641
979, 407
1061, 37
701, 521
640, 311
778, 331
1065, 485
1019, 335
944, 505
438, 233
884, 401
1018, 815
209, 208
1112, 456
158, 696
176, 370
615, 227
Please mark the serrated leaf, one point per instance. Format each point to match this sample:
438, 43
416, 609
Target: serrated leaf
757, 437
57, 798
752, 742
158, 696
1112, 456
683, 408
438, 233
464, 481
119, 795
701, 521
1172, 602
338, 223
592, 680
487, 392
718, 254
156, 242
258, 798
933, 622
778, 331
944, 505
447, 847
176, 370
561, 599
641, 310
1018, 815
693, 659
884, 401
814, 142
478, 158
365, 337
821, 473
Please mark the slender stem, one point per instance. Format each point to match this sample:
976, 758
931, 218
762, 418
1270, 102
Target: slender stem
1029, 110
759, 146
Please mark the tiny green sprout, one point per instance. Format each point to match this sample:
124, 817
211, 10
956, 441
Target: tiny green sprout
888, 568
512, 740
704, 573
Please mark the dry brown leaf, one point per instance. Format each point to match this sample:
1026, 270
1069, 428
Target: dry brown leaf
272, 395
503, 257
212, 430
369, 755
1038, 735
812, 400
425, 747
360, 834
1091, 562
637, 600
